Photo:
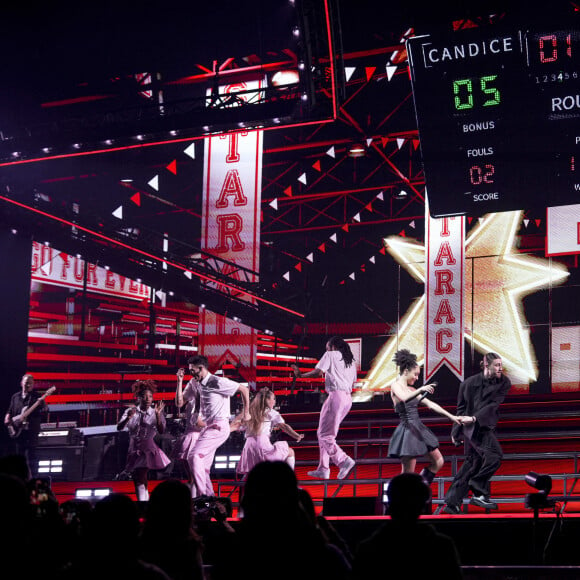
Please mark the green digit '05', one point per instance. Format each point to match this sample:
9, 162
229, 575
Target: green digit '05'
463, 93
492, 92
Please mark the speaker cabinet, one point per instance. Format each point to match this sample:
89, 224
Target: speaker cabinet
352, 506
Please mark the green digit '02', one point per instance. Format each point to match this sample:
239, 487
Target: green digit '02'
459, 103
492, 92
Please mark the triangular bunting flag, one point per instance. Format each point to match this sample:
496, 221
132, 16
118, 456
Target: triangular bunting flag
383, 251
356, 218
298, 266
412, 224
345, 228
402, 234
370, 71
384, 141
369, 142
352, 276
162, 296
322, 247
286, 276
469, 220
400, 142
190, 151
330, 152
310, 257
363, 268
369, 206
416, 143
118, 213
348, 71
538, 222
480, 220
526, 222
136, 198
341, 283
302, 178
333, 238
381, 196
172, 167
188, 274
372, 260
274, 204
316, 165
288, 191
154, 183
391, 71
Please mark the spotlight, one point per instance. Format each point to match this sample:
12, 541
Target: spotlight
93, 493
283, 78
540, 500
356, 150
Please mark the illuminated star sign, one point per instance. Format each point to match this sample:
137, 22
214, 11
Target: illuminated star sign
501, 276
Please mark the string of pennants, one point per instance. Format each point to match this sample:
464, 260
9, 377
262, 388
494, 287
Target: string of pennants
391, 66
303, 178
153, 183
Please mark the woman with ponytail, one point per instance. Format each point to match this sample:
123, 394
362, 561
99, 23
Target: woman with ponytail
258, 447
339, 370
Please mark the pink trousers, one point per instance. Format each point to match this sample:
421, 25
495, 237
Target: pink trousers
201, 456
334, 410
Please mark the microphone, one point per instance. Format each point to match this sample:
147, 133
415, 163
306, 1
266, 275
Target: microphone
423, 395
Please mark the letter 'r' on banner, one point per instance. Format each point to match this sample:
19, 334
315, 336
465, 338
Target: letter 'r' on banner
444, 291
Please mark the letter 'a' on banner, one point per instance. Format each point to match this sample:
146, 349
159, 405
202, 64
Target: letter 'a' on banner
444, 291
232, 184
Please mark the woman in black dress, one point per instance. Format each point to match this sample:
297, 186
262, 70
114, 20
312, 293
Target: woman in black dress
411, 439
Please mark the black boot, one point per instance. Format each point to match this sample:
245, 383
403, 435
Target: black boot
427, 476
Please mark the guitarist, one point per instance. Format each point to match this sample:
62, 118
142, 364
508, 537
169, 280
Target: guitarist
24, 435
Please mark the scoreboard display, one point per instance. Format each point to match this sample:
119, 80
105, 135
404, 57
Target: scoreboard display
499, 118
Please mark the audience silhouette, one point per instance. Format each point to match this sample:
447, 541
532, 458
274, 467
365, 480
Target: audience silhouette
413, 549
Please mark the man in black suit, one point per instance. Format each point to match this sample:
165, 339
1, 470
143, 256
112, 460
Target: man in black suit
479, 398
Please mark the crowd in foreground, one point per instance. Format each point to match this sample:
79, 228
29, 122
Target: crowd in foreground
279, 534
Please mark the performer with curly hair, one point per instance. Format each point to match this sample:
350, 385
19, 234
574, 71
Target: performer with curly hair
258, 447
143, 421
411, 439
339, 370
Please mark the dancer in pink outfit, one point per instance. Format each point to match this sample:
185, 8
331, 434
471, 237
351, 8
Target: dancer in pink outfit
339, 370
215, 394
258, 446
190, 397
143, 422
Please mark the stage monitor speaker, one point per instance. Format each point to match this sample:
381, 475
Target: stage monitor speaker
352, 506
60, 463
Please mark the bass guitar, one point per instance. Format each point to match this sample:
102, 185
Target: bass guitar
19, 423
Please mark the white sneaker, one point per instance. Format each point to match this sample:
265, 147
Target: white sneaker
320, 473
345, 468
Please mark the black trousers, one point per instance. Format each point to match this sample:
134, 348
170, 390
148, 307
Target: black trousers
483, 459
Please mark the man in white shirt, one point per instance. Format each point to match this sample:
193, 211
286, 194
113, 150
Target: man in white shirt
215, 397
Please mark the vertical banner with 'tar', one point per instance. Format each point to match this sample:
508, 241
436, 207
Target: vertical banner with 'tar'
231, 231
445, 239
